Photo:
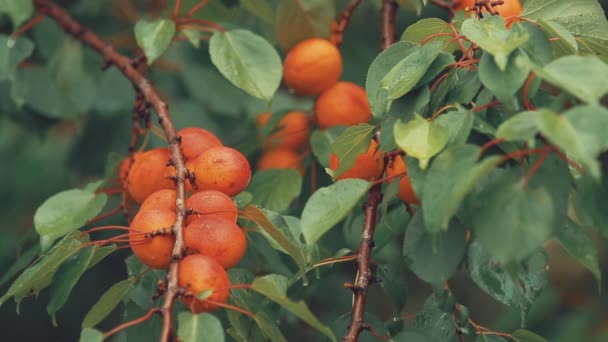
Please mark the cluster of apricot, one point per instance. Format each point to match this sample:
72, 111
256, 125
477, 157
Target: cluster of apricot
510, 9
213, 240
313, 68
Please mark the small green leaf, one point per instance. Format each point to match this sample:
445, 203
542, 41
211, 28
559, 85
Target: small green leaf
12, 52
19, 10
269, 328
355, 140
66, 212
275, 288
329, 205
421, 139
154, 37
107, 302
520, 127
248, 61
303, 19
199, 328
193, 36
504, 83
321, 140
90, 335
581, 247
459, 124
565, 44
275, 189
394, 282
588, 203
427, 27
523, 335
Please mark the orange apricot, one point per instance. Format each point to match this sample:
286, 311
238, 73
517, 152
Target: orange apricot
196, 141
292, 132
211, 202
280, 158
154, 252
312, 66
345, 103
149, 173
161, 199
198, 273
125, 165
368, 165
223, 169
216, 237
406, 191
510, 10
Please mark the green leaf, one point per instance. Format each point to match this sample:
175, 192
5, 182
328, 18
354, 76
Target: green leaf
275, 288
488, 337
518, 287
465, 88
199, 328
66, 212
90, 335
394, 282
520, 127
39, 275
581, 247
427, 27
22, 261
275, 189
274, 227
409, 336
452, 175
504, 83
321, 140
107, 302
139, 294
154, 37
19, 11
248, 61
414, 102
565, 44
433, 257
538, 47
491, 34
12, 52
421, 139
511, 221
260, 8
193, 36
589, 206
435, 322
458, 123
269, 328
522, 335
329, 205
582, 76
350, 144
302, 19
66, 278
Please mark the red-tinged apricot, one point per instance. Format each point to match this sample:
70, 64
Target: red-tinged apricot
198, 273
280, 158
510, 9
406, 191
368, 166
161, 199
125, 165
196, 141
211, 202
150, 173
156, 251
218, 238
292, 131
223, 169
345, 103
312, 66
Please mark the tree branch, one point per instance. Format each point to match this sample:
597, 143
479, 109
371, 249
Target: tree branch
152, 98
389, 12
344, 21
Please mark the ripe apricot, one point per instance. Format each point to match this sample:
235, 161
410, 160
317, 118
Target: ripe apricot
198, 273
406, 191
196, 141
510, 10
345, 103
312, 66
154, 252
223, 169
368, 165
292, 131
149, 173
161, 199
216, 237
125, 165
211, 202
280, 158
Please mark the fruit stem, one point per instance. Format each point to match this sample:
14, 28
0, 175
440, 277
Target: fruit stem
132, 323
195, 8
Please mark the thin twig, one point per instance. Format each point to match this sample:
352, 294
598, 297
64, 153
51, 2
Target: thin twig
125, 65
132, 323
344, 21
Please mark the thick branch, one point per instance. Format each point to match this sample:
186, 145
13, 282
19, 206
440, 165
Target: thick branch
152, 98
389, 12
344, 21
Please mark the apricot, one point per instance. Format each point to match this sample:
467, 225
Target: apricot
196, 141
211, 202
368, 166
312, 66
161, 199
406, 191
154, 252
345, 103
510, 10
292, 132
198, 273
223, 169
149, 173
216, 237
280, 158
125, 165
